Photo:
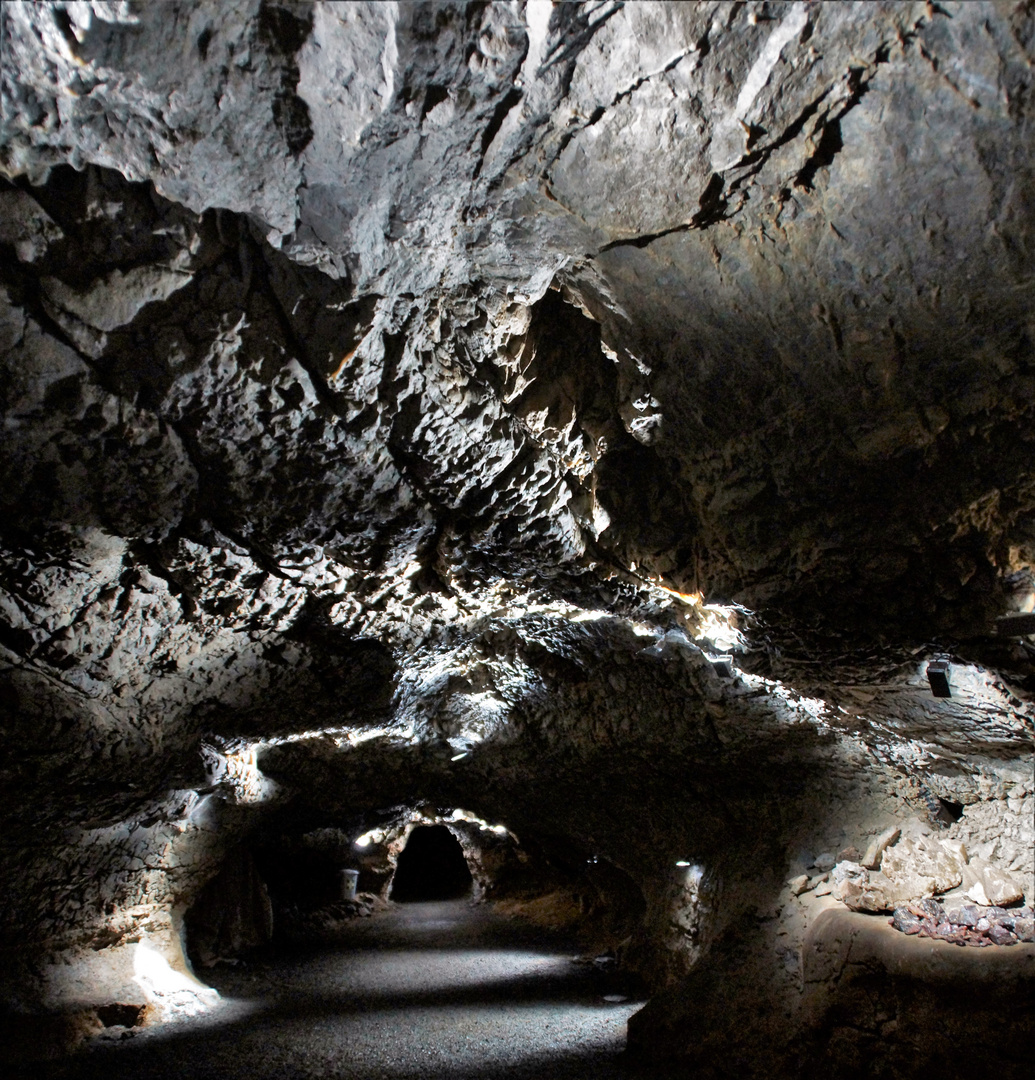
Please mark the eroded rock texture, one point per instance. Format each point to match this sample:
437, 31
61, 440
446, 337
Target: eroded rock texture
404, 403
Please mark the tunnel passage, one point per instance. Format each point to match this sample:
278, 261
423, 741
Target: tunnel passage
431, 867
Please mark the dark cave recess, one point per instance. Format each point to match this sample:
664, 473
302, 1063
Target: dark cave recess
431, 867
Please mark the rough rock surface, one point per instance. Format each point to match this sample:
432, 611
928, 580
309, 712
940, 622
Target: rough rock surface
404, 404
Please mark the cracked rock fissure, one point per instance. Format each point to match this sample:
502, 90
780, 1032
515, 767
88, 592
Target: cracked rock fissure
574, 427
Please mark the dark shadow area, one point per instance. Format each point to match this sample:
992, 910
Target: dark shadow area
303, 879
941, 1028
431, 867
232, 914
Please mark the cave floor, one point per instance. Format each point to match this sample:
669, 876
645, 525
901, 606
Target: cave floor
424, 991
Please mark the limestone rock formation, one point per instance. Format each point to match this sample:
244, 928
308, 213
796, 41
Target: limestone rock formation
405, 405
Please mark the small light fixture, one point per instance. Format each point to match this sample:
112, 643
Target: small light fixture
459, 757
938, 677
723, 666
682, 862
1016, 624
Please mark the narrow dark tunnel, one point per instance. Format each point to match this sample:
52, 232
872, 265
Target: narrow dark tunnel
431, 867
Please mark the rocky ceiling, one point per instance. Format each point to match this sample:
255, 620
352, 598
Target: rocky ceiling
387, 382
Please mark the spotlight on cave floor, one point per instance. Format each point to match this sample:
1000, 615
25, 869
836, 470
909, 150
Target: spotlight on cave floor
431, 867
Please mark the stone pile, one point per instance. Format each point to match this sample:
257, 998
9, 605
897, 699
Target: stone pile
892, 874
906, 869
323, 923
970, 924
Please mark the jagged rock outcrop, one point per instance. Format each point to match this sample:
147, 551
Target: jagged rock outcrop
385, 383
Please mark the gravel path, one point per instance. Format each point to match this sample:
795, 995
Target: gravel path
425, 991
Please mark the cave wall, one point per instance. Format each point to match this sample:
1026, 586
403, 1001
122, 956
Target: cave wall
389, 382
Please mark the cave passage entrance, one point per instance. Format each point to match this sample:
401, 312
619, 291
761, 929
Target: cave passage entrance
431, 867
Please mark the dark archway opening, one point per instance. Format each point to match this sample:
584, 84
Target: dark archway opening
431, 867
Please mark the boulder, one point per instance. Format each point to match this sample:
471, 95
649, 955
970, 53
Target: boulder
871, 892
798, 884
988, 885
876, 847
914, 867
924, 865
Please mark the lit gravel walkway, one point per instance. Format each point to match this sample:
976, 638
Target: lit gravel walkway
425, 991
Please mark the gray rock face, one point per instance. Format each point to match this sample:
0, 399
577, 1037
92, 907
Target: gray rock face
419, 150
392, 392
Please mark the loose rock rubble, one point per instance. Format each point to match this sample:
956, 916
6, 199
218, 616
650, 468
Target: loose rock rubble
906, 873
919, 866
966, 925
324, 923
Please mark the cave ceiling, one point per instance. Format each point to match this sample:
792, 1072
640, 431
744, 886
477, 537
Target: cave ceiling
792, 363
